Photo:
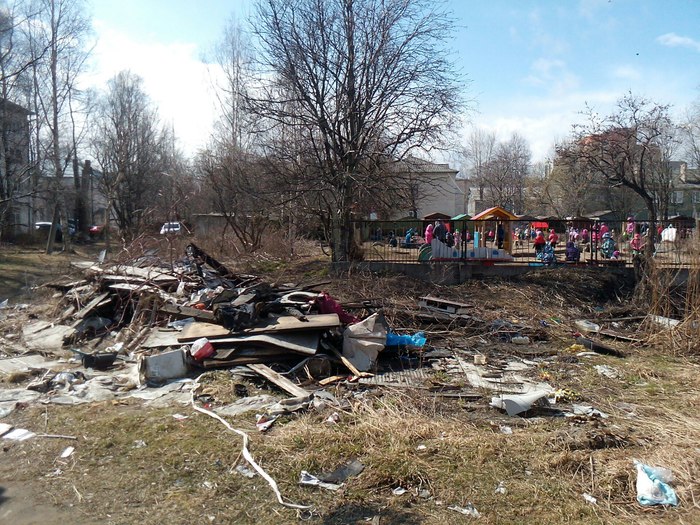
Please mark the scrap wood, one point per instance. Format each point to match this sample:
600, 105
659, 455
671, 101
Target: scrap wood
331, 379
196, 252
88, 308
279, 380
290, 323
443, 305
182, 312
155, 275
347, 363
298, 342
246, 453
617, 335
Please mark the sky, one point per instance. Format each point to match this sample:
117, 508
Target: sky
530, 66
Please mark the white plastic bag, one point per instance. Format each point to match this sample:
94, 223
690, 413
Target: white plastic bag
653, 485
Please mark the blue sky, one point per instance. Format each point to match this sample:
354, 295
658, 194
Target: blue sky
531, 65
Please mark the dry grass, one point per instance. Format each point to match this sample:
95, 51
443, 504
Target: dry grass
185, 473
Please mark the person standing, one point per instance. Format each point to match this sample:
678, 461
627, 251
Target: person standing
500, 235
539, 243
440, 231
553, 238
429, 233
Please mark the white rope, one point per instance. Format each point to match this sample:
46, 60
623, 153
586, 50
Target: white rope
246, 453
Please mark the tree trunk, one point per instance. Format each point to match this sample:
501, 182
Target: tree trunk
82, 211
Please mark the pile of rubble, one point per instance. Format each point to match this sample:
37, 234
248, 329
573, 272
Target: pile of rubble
146, 329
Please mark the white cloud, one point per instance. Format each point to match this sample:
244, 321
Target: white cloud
627, 72
674, 40
175, 79
553, 75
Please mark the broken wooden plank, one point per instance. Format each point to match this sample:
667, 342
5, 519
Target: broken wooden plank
622, 337
281, 381
331, 379
443, 305
348, 364
88, 308
299, 342
197, 252
181, 312
287, 323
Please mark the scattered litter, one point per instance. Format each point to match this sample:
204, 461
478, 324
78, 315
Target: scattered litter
139, 443
596, 346
469, 510
363, 341
501, 488
421, 447
665, 321
208, 485
161, 367
333, 419
505, 429
350, 469
520, 340
590, 499
202, 349
399, 491
518, 403
246, 404
607, 371
479, 359
245, 471
586, 326
585, 410
308, 479
416, 340
67, 452
19, 434
653, 485
264, 422
180, 417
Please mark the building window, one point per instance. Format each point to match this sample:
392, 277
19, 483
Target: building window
696, 197
677, 197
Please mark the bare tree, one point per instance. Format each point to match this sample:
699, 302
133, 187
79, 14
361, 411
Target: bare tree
233, 56
62, 26
476, 155
130, 149
16, 60
690, 133
504, 175
626, 148
568, 185
361, 83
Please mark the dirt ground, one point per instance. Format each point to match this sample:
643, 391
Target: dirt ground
139, 464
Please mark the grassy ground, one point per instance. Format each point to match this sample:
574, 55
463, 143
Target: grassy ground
445, 452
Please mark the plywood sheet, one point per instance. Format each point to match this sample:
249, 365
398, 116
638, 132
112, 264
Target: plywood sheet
280, 324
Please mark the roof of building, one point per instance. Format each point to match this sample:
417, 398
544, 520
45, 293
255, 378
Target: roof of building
495, 213
11, 106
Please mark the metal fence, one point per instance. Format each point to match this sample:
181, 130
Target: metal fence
513, 242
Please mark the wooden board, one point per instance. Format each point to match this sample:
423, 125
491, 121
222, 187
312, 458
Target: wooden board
298, 342
281, 381
280, 324
182, 312
88, 308
443, 305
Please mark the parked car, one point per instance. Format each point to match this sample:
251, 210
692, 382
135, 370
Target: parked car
43, 229
97, 230
171, 228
